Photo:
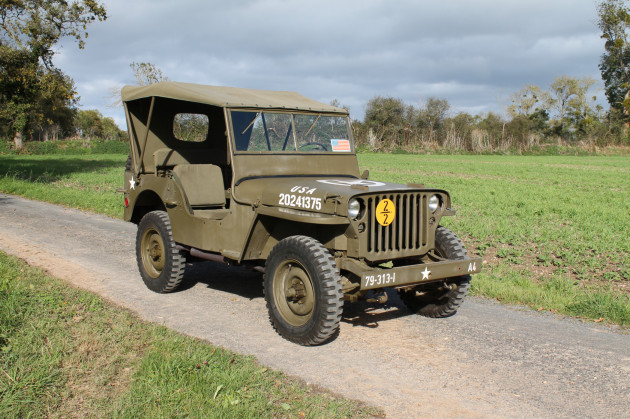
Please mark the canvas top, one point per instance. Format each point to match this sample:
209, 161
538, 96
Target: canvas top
228, 97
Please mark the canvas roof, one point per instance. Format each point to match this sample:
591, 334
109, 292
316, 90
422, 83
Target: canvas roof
230, 97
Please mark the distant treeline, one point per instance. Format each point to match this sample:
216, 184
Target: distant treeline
72, 123
564, 114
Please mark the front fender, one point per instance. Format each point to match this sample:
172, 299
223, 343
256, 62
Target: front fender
272, 224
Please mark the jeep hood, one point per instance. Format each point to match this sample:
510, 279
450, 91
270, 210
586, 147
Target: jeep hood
315, 194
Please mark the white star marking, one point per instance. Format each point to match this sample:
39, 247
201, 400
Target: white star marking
132, 183
426, 273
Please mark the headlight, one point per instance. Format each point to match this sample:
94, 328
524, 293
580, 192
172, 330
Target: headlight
354, 208
434, 203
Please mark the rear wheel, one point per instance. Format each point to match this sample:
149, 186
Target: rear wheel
161, 265
303, 291
441, 299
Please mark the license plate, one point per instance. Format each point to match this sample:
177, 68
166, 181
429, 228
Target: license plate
378, 279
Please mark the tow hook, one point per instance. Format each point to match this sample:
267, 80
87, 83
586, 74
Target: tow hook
449, 287
381, 299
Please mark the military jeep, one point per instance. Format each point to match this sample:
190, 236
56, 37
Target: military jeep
270, 180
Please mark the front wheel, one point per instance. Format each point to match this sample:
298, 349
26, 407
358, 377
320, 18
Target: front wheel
442, 299
161, 265
303, 291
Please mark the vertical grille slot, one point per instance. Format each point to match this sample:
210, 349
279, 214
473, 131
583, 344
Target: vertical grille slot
400, 216
371, 208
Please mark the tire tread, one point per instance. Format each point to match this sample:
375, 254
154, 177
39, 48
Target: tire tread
328, 323
175, 265
447, 304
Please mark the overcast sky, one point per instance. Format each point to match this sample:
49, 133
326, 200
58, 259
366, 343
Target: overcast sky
475, 54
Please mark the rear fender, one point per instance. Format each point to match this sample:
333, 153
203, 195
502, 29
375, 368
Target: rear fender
146, 202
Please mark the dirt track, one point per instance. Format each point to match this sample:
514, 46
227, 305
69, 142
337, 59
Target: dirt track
487, 361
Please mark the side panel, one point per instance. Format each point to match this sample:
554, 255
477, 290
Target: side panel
226, 236
153, 192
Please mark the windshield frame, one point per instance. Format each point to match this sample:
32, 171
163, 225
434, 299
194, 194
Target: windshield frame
292, 134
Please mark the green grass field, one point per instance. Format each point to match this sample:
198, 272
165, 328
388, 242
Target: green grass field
552, 229
86, 182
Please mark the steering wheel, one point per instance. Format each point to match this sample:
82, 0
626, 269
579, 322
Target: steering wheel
323, 146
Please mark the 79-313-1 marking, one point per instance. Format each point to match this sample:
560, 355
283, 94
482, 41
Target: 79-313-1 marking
380, 279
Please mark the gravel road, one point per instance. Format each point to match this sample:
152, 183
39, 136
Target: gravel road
489, 360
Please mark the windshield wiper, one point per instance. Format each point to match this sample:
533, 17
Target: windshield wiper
312, 125
251, 123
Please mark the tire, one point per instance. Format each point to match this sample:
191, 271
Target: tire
303, 291
434, 300
161, 265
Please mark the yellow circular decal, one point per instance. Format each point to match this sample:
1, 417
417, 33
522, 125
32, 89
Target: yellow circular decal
385, 212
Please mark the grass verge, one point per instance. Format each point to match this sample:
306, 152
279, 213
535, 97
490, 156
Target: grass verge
68, 353
84, 182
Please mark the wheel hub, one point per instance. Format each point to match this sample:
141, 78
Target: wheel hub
296, 290
153, 253
294, 293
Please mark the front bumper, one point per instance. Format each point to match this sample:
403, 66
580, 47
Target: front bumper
372, 278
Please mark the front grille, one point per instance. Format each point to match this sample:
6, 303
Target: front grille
406, 235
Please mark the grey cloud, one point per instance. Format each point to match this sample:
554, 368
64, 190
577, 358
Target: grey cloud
475, 54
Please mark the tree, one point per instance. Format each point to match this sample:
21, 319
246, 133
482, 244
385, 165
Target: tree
337, 103
90, 123
581, 110
19, 81
147, 73
614, 22
461, 126
494, 125
433, 113
539, 120
385, 112
111, 130
37, 25
55, 103
388, 119
29, 31
527, 101
568, 96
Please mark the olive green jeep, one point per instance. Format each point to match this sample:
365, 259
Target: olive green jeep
270, 180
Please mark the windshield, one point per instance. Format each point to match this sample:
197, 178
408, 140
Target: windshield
290, 132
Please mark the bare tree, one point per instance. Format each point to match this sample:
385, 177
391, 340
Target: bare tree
527, 100
145, 74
